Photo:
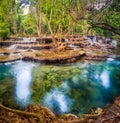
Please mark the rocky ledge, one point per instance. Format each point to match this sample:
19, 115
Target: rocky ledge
54, 58
96, 58
44, 56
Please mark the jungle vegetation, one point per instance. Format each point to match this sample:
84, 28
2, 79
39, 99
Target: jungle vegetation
59, 17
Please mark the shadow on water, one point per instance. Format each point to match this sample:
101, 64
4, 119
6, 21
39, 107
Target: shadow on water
73, 88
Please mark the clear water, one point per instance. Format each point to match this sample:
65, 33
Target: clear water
73, 88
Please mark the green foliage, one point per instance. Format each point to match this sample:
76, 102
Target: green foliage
38, 54
115, 6
4, 31
106, 21
6, 17
62, 16
28, 24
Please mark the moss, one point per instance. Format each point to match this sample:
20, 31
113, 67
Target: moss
3, 58
38, 54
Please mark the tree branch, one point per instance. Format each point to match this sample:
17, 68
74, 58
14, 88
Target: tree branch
106, 26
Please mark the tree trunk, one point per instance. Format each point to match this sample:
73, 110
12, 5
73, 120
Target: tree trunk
39, 30
49, 23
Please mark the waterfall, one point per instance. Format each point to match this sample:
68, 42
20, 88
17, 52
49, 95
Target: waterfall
20, 56
1, 54
66, 40
14, 46
11, 56
114, 43
33, 39
26, 39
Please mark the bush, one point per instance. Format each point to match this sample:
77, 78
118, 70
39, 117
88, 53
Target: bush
4, 31
4, 34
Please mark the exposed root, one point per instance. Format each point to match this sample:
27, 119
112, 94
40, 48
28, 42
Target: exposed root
29, 114
39, 114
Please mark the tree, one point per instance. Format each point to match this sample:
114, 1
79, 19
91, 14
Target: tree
28, 24
107, 18
57, 17
6, 17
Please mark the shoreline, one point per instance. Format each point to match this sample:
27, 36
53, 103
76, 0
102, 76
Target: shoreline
39, 114
58, 60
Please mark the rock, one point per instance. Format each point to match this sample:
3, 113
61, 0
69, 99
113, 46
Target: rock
69, 116
99, 111
117, 101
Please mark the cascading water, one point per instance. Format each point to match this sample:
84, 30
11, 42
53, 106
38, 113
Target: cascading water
20, 56
26, 39
11, 56
14, 46
1, 54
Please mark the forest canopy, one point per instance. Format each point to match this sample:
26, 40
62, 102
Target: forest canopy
55, 17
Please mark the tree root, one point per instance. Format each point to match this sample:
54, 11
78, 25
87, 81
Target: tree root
38, 116
44, 115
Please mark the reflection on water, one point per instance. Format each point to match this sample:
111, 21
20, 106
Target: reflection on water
22, 73
73, 88
105, 78
57, 101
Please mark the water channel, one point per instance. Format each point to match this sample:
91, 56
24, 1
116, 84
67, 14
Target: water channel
72, 88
